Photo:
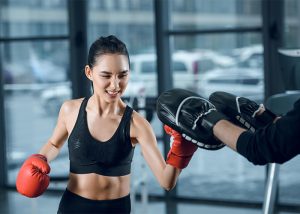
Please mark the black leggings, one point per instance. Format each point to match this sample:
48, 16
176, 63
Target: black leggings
73, 203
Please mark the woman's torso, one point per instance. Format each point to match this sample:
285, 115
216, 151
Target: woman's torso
93, 185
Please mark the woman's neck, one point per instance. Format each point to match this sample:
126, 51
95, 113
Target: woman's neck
100, 107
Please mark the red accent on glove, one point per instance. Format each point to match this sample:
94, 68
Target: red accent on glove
181, 151
33, 179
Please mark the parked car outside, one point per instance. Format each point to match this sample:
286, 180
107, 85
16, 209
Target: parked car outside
46, 71
144, 71
185, 68
244, 78
249, 57
52, 97
239, 81
17, 73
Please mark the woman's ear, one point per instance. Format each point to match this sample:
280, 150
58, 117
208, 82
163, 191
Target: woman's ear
88, 72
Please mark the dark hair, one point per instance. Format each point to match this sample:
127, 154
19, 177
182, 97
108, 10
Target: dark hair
106, 45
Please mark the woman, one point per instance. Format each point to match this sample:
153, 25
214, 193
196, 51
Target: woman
102, 132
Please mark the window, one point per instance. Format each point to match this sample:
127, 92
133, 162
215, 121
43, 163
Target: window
220, 175
179, 67
148, 67
36, 77
205, 65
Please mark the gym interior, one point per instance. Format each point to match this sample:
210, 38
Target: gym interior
246, 47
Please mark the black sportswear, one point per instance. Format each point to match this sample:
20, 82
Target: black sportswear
110, 158
277, 142
73, 203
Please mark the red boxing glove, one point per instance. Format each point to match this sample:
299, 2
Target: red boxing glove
33, 178
181, 151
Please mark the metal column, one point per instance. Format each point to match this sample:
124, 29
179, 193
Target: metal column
78, 47
271, 190
272, 18
165, 80
3, 161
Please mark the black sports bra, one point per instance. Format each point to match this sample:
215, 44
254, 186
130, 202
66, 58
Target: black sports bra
110, 158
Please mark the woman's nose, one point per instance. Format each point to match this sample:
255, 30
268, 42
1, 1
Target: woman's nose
114, 83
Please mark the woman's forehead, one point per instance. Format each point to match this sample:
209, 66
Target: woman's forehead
112, 60
103, 58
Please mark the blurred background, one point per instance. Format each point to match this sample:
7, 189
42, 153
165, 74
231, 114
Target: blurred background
200, 45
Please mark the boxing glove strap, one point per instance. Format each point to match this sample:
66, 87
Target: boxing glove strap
43, 157
179, 162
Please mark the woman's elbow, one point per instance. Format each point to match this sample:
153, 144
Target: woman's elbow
168, 186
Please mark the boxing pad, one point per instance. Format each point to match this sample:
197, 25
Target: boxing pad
191, 115
33, 179
241, 110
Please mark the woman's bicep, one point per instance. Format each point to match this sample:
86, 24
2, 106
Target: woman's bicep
147, 140
60, 132
57, 139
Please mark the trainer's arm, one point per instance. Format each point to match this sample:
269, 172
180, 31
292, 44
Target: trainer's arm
277, 142
228, 133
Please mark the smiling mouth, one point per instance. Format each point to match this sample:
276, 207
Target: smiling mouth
112, 93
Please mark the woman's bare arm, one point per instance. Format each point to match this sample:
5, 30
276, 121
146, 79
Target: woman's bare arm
164, 173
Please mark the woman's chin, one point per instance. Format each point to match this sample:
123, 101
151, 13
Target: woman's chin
113, 97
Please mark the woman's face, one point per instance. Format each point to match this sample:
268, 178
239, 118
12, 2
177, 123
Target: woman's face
109, 75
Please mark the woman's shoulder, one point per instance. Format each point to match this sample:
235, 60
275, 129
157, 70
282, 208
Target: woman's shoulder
139, 121
141, 129
72, 105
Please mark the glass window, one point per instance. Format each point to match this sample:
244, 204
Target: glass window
211, 14
148, 67
33, 18
289, 183
291, 24
134, 27
221, 174
179, 67
205, 65
36, 83
235, 66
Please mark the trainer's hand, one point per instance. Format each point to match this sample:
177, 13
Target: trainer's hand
33, 178
181, 151
242, 111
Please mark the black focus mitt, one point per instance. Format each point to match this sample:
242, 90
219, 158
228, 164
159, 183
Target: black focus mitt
191, 115
242, 111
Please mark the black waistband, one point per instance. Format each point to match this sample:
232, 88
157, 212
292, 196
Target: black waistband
73, 203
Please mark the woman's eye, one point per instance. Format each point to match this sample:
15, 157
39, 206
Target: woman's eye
122, 75
105, 76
